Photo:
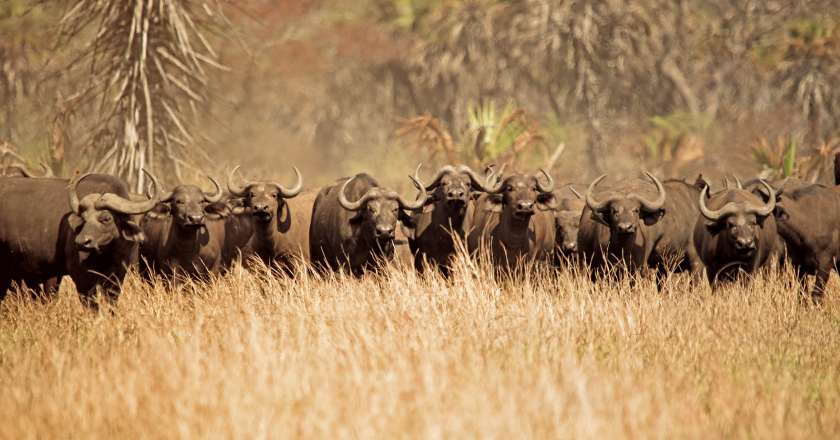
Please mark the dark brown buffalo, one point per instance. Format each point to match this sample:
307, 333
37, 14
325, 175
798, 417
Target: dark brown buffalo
182, 234
735, 232
808, 219
95, 241
570, 205
640, 231
272, 223
357, 235
514, 221
442, 220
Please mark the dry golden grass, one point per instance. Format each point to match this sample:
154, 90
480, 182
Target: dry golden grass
404, 355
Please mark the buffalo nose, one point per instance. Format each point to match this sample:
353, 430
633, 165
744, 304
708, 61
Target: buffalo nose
626, 228
456, 194
196, 218
525, 205
261, 207
384, 231
85, 242
570, 246
743, 244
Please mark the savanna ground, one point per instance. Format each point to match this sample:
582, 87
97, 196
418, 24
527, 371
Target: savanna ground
255, 354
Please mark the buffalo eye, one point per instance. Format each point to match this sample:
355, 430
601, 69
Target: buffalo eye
636, 210
508, 188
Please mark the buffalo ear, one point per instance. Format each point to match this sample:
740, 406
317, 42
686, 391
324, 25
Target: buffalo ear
547, 201
494, 203
650, 218
780, 213
406, 219
714, 227
218, 209
132, 232
407, 226
75, 221
357, 218
600, 216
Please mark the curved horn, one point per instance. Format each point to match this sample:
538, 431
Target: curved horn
590, 198
444, 170
288, 193
121, 205
575, 192
155, 184
216, 196
655, 204
352, 206
726, 183
485, 184
714, 215
421, 197
769, 206
234, 189
738, 183
74, 196
549, 186
475, 179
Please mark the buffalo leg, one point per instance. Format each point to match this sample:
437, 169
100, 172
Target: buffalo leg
802, 278
823, 271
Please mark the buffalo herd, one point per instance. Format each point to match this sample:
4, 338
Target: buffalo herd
92, 229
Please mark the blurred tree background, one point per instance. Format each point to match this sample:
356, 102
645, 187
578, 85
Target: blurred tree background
336, 86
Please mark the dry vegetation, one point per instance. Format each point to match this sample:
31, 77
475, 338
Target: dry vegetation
404, 355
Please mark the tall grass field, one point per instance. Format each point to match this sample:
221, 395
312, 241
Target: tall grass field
545, 354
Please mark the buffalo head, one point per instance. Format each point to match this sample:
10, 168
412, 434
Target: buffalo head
623, 213
264, 199
187, 203
567, 222
453, 186
740, 218
99, 219
521, 194
379, 209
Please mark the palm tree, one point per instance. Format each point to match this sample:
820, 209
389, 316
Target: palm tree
143, 64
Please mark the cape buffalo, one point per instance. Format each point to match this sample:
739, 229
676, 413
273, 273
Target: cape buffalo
808, 219
514, 220
442, 219
357, 235
566, 222
639, 231
95, 241
276, 225
181, 235
735, 232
